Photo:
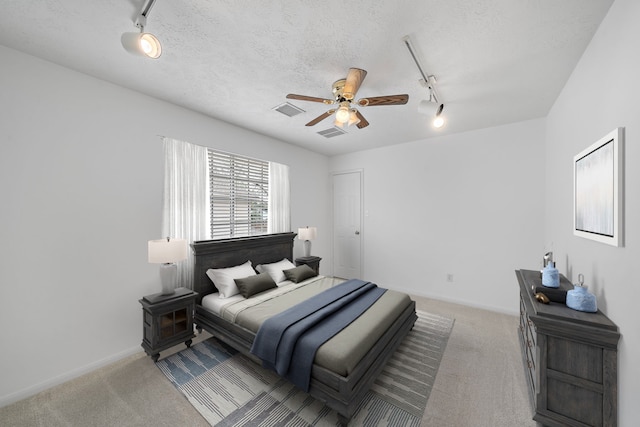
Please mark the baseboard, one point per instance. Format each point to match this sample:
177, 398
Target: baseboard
473, 304
75, 373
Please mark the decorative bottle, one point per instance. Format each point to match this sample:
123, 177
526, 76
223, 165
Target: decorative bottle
550, 276
580, 298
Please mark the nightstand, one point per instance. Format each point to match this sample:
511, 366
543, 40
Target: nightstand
311, 261
167, 320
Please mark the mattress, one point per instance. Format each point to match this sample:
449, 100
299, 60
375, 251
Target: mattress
341, 353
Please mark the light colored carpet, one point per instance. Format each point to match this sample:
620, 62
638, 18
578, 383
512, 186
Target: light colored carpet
480, 383
229, 389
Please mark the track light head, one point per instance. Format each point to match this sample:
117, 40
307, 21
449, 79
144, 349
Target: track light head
142, 44
434, 109
427, 107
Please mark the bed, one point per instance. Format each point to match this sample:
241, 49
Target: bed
340, 385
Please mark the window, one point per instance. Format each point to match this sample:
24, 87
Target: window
239, 195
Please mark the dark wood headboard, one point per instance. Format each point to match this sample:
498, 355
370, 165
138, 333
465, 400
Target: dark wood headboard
231, 252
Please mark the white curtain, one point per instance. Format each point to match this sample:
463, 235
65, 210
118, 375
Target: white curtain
185, 214
279, 193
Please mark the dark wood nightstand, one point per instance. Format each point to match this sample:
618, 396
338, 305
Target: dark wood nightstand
167, 320
311, 261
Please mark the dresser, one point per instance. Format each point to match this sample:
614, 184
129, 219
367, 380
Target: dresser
570, 359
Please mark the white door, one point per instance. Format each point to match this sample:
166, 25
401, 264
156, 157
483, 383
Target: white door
347, 225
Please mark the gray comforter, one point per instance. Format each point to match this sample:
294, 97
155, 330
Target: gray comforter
288, 341
342, 352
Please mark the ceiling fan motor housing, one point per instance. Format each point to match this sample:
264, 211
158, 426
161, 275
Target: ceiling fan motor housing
338, 90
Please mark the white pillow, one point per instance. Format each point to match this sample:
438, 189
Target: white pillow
275, 269
223, 278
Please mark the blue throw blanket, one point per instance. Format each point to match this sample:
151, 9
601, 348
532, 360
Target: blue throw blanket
288, 341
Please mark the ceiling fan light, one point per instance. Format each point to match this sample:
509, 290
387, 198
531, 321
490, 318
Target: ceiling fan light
353, 118
142, 44
343, 114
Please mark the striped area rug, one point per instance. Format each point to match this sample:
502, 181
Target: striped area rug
229, 389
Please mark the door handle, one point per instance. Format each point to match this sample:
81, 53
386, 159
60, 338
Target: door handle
357, 233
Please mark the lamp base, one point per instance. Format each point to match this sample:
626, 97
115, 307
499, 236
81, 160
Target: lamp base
168, 275
307, 248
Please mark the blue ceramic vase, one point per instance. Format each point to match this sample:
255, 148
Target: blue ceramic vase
580, 298
550, 276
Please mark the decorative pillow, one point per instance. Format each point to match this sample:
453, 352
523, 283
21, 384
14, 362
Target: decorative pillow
275, 269
300, 273
223, 278
249, 286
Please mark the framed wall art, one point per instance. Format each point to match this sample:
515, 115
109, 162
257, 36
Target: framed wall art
598, 190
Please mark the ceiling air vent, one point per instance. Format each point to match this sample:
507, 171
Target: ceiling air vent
331, 132
288, 109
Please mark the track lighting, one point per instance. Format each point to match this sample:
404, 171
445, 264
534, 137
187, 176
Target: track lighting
432, 105
433, 108
143, 44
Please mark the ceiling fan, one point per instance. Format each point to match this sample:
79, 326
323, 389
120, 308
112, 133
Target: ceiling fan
344, 91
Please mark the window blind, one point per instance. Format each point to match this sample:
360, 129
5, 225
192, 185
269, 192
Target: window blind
239, 188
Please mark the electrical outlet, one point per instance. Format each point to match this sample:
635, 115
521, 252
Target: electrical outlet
449, 277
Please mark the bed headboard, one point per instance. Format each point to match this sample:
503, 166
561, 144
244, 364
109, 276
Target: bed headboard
235, 251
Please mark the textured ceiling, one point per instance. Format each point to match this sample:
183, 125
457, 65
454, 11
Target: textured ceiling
496, 61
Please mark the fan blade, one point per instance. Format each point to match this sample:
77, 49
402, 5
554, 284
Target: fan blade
363, 123
320, 118
354, 80
310, 98
384, 100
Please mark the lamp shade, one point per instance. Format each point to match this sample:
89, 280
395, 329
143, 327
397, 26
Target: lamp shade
166, 251
307, 233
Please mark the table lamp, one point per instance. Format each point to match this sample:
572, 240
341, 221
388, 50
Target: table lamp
307, 234
167, 252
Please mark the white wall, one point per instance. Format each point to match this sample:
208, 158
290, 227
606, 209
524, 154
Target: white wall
602, 94
468, 204
81, 172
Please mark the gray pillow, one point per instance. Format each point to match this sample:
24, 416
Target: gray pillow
252, 285
300, 273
